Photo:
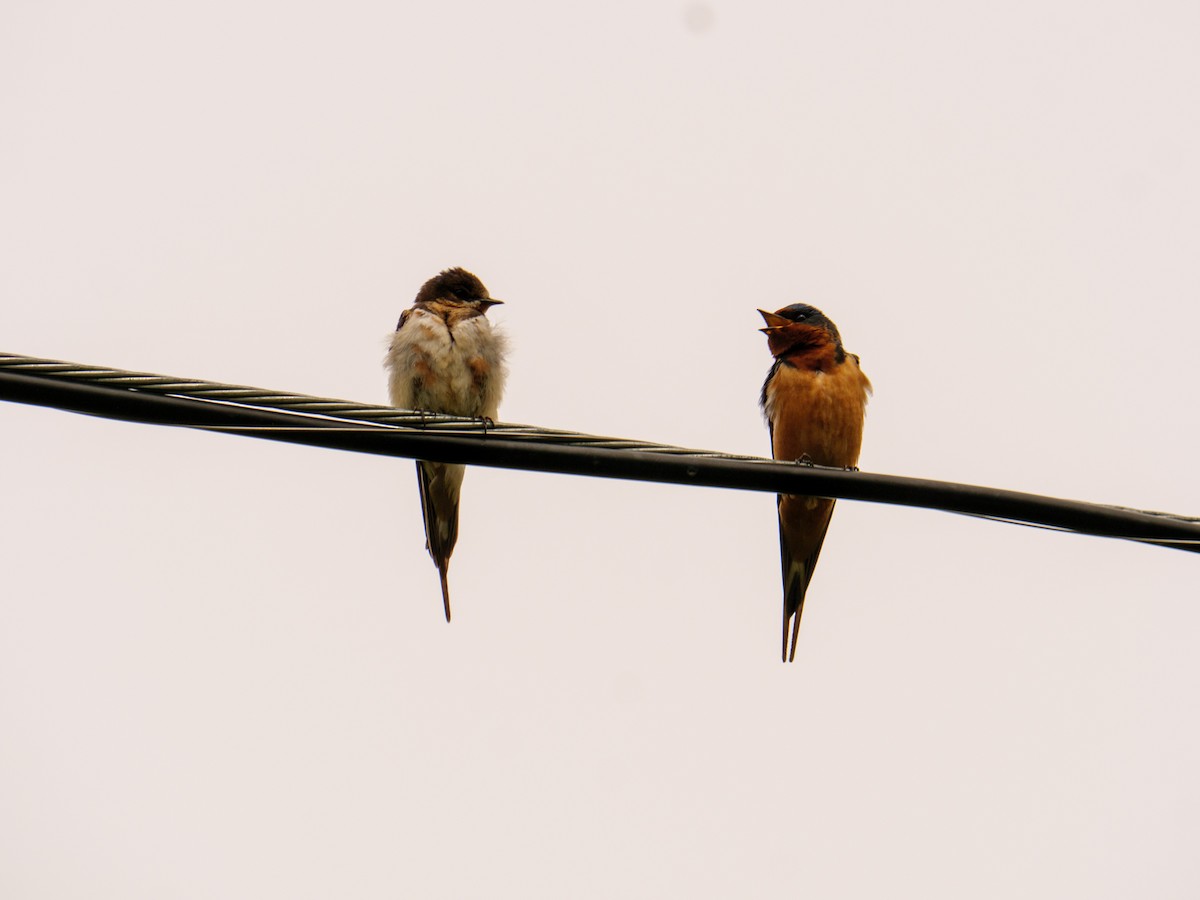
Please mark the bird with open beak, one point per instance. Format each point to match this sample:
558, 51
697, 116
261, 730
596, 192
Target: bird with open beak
445, 357
814, 400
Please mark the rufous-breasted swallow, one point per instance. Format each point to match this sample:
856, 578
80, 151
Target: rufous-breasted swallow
815, 399
445, 357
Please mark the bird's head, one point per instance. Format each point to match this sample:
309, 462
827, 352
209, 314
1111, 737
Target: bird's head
456, 288
798, 327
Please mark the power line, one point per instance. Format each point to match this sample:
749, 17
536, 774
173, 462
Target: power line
342, 425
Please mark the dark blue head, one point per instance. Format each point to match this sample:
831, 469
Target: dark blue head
810, 315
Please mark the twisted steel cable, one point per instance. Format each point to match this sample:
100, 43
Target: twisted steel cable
259, 398
342, 425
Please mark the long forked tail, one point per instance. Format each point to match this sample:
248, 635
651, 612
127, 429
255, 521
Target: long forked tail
803, 524
440, 484
793, 607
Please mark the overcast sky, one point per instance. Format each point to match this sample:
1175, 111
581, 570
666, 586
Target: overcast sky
224, 669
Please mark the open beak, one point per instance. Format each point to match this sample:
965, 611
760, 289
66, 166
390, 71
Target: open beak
772, 320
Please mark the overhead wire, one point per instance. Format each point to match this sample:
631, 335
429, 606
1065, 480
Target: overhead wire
345, 425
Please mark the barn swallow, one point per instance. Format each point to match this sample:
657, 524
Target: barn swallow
445, 358
814, 399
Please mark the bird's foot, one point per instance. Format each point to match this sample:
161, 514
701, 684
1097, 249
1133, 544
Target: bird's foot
487, 422
852, 469
805, 460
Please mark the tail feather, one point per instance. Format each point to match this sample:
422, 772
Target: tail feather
443, 570
794, 590
802, 528
439, 484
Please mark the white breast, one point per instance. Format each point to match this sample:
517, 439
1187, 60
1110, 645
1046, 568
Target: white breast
461, 374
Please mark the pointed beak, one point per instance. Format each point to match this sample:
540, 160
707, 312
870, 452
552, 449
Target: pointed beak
772, 320
490, 302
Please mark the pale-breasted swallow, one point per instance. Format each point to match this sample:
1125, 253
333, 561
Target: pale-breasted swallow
815, 400
445, 357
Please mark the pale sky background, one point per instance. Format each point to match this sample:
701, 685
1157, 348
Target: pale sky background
224, 670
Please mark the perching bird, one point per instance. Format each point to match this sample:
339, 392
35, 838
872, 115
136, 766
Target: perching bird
815, 399
446, 358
